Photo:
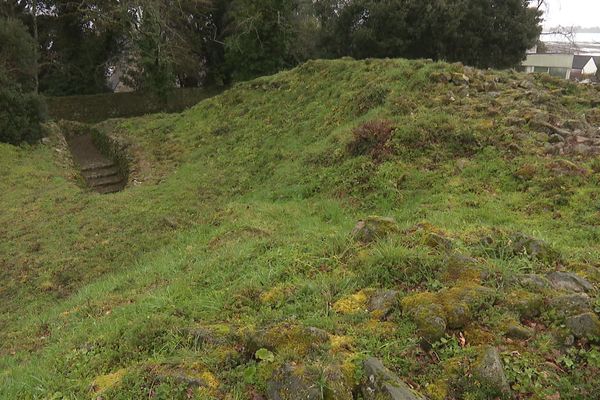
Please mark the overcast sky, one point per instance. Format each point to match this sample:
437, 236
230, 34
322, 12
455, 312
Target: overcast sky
584, 13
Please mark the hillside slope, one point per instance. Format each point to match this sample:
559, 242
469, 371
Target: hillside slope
231, 269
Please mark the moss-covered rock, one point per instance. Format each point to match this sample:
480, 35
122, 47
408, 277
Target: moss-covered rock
569, 282
373, 228
452, 308
293, 382
379, 383
353, 304
522, 244
427, 313
307, 382
517, 331
533, 282
382, 302
458, 315
291, 339
437, 241
585, 325
461, 268
107, 382
528, 305
570, 304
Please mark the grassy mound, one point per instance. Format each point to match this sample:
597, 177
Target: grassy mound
233, 266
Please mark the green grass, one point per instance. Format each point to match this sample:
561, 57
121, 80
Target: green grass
243, 220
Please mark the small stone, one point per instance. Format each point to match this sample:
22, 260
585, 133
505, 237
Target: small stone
380, 383
569, 282
490, 372
518, 332
584, 326
372, 228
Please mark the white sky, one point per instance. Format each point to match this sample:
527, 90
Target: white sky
585, 13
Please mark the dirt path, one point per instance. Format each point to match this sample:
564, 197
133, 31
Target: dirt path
99, 172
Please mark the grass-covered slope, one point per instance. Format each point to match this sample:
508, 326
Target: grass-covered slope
229, 269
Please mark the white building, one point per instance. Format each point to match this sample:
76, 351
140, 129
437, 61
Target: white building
567, 66
554, 64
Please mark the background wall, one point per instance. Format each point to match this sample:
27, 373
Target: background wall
99, 107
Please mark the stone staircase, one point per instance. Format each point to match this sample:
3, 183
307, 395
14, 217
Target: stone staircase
99, 172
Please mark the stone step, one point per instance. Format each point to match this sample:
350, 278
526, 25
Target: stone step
104, 181
97, 165
100, 172
117, 187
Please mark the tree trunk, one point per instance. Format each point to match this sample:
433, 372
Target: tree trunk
34, 12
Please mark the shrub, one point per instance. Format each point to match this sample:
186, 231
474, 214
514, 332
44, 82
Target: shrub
372, 138
20, 114
21, 111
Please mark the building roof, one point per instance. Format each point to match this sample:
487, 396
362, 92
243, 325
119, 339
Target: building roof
579, 62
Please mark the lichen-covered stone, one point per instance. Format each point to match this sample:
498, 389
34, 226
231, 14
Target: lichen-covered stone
489, 371
569, 282
528, 305
534, 248
533, 282
570, 304
379, 383
584, 326
373, 228
382, 302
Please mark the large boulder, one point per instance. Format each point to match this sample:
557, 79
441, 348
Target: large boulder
379, 383
489, 371
373, 228
569, 282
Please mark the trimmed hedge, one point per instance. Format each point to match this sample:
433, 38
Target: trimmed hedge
99, 107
